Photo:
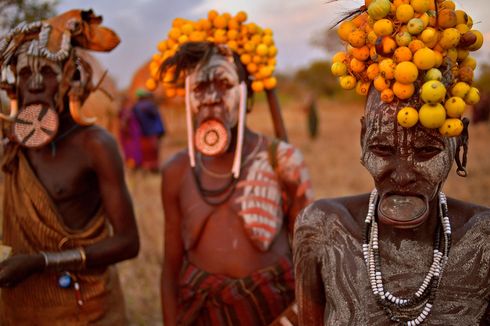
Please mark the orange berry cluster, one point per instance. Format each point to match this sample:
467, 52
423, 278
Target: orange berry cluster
254, 45
396, 44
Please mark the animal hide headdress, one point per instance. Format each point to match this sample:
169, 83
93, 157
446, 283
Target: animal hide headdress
57, 40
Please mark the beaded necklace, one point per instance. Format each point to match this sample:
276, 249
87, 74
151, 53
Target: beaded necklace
226, 175
402, 310
209, 195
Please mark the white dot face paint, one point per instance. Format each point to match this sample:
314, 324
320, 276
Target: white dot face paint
409, 165
215, 91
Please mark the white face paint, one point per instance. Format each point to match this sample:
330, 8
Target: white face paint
38, 89
215, 91
35, 64
38, 80
409, 163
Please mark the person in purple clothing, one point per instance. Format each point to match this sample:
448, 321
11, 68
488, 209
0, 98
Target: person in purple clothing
130, 135
152, 128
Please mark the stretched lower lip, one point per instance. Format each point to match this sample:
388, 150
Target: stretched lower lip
403, 210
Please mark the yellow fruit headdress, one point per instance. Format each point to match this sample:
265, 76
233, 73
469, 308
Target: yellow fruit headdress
399, 46
253, 44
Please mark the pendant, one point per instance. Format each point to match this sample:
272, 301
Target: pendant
67, 281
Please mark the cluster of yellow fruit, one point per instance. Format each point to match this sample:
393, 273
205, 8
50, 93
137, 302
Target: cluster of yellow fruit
253, 44
399, 46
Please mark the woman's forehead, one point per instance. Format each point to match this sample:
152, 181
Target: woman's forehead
24, 60
216, 65
381, 124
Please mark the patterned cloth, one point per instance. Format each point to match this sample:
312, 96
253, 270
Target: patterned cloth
211, 299
276, 181
32, 223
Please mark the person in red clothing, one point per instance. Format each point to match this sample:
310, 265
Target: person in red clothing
130, 135
152, 129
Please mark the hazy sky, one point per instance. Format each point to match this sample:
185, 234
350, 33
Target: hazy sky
141, 24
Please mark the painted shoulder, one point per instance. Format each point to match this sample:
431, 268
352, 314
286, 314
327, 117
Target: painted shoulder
292, 169
289, 153
326, 215
320, 214
469, 216
480, 221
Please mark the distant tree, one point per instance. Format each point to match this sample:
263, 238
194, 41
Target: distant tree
318, 78
12, 12
327, 40
483, 82
481, 111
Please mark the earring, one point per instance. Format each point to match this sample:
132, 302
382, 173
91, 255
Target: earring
75, 106
14, 109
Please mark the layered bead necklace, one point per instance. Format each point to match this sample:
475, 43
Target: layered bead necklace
402, 310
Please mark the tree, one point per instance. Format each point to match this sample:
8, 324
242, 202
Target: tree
483, 82
12, 12
481, 111
327, 40
318, 78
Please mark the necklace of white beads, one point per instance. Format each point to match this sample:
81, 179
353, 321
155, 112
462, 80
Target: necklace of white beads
402, 310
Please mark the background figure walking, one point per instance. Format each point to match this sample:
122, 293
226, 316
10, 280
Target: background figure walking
152, 128
312, 116
130, 135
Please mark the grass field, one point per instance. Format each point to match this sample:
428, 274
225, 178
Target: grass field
333, 159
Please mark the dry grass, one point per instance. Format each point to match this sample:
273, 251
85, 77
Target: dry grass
333, 159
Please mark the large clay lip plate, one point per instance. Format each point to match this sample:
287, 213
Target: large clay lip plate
415, 221
44, 122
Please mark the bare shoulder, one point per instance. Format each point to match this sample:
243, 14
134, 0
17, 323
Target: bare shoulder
466, 217
176, 165
321, 212
98, 140
173, 171
329, 215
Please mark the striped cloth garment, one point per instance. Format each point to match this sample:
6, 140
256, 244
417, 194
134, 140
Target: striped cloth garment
212, 299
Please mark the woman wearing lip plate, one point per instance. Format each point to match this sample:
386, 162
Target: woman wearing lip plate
404, 254
230, 199
409, 167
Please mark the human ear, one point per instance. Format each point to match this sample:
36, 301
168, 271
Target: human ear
363, 130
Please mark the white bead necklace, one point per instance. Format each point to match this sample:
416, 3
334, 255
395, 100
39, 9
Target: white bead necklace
426, 292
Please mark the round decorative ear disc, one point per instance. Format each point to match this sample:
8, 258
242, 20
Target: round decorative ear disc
212, 138
35, 126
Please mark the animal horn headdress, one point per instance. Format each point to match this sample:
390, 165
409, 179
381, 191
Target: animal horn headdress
57, 39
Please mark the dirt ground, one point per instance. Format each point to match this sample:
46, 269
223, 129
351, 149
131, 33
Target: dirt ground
333, 159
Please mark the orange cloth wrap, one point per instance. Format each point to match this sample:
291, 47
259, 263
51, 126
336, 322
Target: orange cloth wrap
31, 224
